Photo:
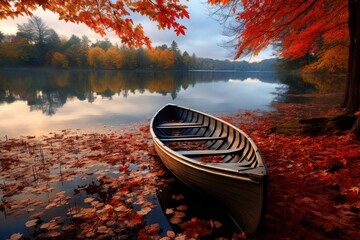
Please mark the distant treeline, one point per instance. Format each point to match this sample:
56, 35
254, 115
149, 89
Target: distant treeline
37, 45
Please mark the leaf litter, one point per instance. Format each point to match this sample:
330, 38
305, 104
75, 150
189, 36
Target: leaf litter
313, 187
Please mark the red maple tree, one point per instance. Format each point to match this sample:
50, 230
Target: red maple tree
299, 26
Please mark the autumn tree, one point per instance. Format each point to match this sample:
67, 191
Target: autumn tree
129, 57
178, 57
76, 51
59, 60
162, 59
113, 58
16, 51
331, 59
299, 26
107, 15
96, 57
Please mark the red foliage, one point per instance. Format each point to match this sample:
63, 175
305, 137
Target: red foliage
313, 180
299, 25
107, 15
196, 228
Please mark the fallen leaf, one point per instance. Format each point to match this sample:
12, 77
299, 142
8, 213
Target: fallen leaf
169, 211
182, 208
170, 234
175, 220
178, 197
88, 200
144, 211
15, 236
31, 223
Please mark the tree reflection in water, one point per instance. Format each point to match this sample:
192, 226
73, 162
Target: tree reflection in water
36, 101
48, 90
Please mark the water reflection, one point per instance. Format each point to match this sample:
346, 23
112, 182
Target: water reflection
48, 90
35, 101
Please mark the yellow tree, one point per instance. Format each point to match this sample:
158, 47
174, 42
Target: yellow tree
154, 56
113, 58
162, 59
96, 57
167, 59
333, 59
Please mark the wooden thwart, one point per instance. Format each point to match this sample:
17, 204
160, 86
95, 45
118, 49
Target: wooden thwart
194, 153
180, 125
186, 139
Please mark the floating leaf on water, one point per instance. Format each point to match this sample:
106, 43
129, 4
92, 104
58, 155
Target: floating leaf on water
53, 234
31, 223
89, 199
153, 229
15, 236
50, 205
178, 197
169, 211
170, 234
175, 220
179, 214
182, 208
45, 226
134, 220
144, 211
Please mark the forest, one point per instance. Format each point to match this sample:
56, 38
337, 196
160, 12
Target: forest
36, 45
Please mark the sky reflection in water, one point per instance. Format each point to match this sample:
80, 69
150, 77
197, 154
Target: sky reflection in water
35, 105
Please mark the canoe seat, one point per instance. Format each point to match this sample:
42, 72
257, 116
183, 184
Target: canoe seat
185, 139
198, 153
180, 125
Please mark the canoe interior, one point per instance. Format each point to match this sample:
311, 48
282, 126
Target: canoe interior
214, 157
197, 136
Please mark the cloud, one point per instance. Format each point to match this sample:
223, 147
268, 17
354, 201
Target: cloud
203, 36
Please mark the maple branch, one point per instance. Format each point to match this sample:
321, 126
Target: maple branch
99, 13
297, 16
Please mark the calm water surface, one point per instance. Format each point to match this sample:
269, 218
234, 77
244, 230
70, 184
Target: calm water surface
39, 101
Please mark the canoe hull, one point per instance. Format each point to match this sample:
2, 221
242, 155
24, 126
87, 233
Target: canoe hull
242, 190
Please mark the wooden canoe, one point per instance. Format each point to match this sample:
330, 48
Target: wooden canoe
214, 157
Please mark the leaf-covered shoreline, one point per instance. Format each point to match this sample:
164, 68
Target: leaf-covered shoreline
313, 186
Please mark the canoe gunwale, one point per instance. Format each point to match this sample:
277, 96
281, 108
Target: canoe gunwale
258, 172
258, 154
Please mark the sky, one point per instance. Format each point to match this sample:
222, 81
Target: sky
204, 35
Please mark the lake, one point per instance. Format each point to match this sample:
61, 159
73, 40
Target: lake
38, 101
